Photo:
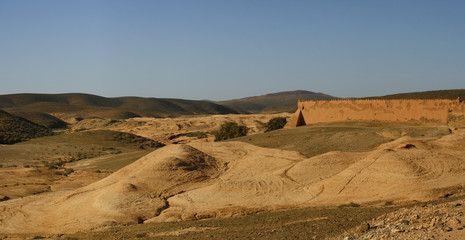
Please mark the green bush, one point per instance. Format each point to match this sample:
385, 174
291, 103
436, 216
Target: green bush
275, 123
230, 130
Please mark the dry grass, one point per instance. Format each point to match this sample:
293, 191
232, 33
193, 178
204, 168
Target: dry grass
317, 139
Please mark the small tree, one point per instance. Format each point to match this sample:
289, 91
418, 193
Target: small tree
230, 130
275, 123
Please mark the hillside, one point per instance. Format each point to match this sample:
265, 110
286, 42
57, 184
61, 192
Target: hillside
274, 102
202, 180
43, 119
438, 94
86, 105
15, 129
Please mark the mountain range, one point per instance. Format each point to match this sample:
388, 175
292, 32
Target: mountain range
78, 105
274, 102
88, 106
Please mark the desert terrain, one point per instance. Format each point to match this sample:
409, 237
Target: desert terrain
263, 120
332, 167
166, 178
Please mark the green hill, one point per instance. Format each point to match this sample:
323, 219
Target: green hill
87, 105
274, 102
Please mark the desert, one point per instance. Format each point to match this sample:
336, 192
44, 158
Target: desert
238, 119
96, 177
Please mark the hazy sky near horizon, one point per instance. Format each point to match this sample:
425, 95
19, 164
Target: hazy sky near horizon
219, 50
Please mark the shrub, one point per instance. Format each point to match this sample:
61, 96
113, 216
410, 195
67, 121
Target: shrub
389, 203
53, 165
275, 123
68, 171
230, 130
351, 204
50, 166
196, 134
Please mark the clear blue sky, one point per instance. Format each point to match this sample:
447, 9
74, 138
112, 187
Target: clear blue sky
218, 49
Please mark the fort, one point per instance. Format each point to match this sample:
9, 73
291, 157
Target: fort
439, 111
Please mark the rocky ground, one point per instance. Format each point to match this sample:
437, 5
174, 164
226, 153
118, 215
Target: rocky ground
424, 221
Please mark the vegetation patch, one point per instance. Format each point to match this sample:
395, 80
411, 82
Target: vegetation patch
43, 119
351, 204
230, 130
189, 134
68, 171
14, 129
388, 203
196, 134
275, 124
54, 152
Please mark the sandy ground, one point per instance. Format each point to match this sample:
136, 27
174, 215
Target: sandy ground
209, 179
160, 129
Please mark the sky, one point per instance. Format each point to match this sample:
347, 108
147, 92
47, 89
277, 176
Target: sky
220, 50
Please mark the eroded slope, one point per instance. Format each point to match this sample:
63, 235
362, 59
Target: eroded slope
204, 179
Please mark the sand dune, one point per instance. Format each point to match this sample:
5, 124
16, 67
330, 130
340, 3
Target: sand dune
204, 179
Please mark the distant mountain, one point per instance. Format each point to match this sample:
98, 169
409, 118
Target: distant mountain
274, 102
439, 94
87, 105
15, 129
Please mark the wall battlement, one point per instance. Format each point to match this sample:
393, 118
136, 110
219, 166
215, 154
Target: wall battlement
374, 99
443, 111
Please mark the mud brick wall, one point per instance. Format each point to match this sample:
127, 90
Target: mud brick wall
392, 110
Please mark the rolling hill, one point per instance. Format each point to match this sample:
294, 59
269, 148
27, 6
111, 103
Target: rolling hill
87, 106
273, 102
438, 94
43, 119
80, 105
15, 129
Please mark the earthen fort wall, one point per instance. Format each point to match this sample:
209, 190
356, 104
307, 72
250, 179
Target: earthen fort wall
441, 111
